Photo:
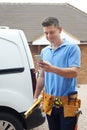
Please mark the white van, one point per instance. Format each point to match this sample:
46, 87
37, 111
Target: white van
17, 82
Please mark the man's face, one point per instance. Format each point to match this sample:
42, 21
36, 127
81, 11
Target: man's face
52, 33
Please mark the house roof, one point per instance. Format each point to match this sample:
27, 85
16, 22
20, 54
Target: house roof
28, 17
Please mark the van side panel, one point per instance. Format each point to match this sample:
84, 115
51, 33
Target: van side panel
15, 77
27, 49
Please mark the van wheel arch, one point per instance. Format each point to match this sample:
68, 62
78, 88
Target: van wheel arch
14, 113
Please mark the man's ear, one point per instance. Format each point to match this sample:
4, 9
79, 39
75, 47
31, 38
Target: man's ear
60, 29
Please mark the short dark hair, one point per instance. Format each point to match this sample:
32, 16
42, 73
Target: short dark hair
50, 21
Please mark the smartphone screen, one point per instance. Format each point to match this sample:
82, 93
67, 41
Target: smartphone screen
38, 58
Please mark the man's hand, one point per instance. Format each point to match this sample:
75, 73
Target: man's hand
46, 66
69, 72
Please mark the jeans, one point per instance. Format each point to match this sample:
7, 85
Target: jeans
57, 121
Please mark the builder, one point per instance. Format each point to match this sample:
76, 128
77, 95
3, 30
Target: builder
58, 72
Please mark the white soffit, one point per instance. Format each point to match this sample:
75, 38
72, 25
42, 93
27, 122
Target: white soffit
43, 41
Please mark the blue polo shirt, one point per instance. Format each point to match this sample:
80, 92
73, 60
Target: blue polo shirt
65, 56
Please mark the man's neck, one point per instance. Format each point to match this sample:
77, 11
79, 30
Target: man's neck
56, 45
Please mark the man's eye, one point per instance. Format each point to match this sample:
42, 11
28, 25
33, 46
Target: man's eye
45, 33
52, 32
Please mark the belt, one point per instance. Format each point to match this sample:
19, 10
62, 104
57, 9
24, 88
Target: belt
70, 99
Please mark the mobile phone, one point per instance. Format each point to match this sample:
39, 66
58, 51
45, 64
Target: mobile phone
38, 58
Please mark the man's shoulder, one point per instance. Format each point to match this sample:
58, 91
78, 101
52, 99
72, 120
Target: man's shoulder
70, 44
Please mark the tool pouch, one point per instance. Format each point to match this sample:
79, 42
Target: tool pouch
71, 109
47, 103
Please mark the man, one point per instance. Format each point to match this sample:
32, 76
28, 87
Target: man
59, 69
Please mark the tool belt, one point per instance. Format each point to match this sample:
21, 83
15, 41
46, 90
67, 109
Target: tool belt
70, 103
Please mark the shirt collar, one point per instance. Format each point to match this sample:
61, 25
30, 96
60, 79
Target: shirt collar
64, 43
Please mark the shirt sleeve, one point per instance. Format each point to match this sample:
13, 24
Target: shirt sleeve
74, 56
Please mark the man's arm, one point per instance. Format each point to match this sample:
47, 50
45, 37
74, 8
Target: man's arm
65, 72
40, 84
71, 72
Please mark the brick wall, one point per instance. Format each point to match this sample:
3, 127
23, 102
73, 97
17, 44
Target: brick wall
82, 77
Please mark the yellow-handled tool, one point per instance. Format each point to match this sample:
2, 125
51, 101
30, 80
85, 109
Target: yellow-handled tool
33, 107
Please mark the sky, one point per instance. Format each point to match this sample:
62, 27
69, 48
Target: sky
80, 4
